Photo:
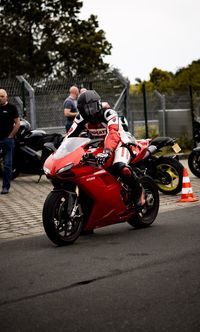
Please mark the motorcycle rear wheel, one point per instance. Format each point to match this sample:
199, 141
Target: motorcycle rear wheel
172, 169
194, 163
62, 217
150, 210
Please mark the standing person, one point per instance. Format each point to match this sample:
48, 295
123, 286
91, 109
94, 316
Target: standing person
82, 90
70, 106
103, 122
9, 125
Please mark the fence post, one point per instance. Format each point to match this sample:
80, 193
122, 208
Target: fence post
31, 93
23, 98
163, 105
192, 113
145, 109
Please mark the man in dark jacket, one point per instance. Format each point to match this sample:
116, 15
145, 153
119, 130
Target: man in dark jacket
9, 125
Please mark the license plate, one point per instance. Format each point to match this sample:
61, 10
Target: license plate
176, 148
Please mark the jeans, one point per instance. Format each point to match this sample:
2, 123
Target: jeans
68, 125
7, 145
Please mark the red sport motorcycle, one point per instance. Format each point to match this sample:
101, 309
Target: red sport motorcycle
87, 196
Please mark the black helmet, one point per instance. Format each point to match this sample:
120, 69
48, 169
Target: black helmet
89, 105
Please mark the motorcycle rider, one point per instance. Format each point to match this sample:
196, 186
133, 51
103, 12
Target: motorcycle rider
103, 122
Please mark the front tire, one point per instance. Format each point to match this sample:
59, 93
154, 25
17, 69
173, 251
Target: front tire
62, 217
194, 163
150, 209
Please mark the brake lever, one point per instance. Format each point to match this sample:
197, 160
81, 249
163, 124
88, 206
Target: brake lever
89, 158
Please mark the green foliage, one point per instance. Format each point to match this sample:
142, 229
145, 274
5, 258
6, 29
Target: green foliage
165, 81
159, 77
185, 143
139, 131
188, 76
45, 37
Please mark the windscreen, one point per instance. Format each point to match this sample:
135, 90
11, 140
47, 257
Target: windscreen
70, 144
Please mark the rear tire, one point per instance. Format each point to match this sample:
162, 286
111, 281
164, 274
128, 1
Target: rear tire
150, 209
194, 163
62, 217
172, 170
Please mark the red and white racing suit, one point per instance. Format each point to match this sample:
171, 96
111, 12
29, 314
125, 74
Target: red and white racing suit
108, 127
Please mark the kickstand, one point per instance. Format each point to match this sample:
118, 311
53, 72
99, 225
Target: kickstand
39, 177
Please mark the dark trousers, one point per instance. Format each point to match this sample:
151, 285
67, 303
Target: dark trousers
7, 146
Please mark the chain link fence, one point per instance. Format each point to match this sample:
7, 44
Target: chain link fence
166, 114
41, 102
46, 110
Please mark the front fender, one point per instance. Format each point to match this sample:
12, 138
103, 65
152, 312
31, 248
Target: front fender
197, 149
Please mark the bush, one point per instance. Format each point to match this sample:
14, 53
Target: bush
140, 132
185, 143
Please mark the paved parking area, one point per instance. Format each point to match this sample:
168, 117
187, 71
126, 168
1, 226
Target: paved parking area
21, 209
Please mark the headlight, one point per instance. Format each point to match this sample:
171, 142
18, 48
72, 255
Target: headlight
65, 168
46, 170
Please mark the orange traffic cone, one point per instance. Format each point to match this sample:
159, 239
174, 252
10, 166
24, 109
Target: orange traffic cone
187, 193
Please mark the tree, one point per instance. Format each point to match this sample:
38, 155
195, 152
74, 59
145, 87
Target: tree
159, 77
188, 76
45, 37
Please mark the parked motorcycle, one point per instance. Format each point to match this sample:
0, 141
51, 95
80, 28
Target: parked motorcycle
30, 150
194, 156
194, 161
87, 196
166, 171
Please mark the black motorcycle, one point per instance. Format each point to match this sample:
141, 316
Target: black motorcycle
166, 170
194, 156
32, 147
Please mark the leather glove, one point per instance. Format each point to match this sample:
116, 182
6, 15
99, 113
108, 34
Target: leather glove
102, 157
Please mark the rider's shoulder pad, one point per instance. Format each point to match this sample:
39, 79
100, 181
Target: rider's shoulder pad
109, 114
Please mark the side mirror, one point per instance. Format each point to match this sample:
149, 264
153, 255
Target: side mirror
50, 146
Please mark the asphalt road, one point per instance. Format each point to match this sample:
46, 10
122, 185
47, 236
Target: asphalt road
118, 279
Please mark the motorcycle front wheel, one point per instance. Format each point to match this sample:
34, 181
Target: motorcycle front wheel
149, 211
194, 163
169, 175
62, 217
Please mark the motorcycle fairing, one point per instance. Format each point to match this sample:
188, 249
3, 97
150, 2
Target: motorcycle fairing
105, 191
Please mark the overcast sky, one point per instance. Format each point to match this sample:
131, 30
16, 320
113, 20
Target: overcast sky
148, 33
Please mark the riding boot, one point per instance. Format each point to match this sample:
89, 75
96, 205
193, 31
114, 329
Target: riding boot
129, 177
